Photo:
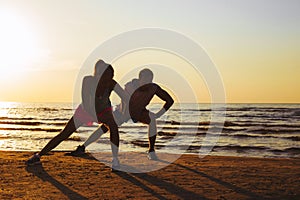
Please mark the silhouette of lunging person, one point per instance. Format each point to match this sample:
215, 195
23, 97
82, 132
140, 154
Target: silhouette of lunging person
95, 107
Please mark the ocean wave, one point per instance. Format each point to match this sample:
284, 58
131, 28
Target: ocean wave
239, 109
190, 110
269, 130
292, 150
32, 118
261, 109
229, 124
32, 123
281, 125
31, 129
241, 148
162, 133
202, 123
54, 119
258, 117
39, 109
231, 130
244, 150
71, 138
293, 138
171, 134
28, 123
296, 113
40, 137
16, 118
236, 148
141, 143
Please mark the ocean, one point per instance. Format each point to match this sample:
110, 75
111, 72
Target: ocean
249, 130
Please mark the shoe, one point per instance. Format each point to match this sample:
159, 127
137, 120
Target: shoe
80, 150
35, 159
152, 155
115, 165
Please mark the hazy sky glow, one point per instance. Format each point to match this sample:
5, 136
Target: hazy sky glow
255, 44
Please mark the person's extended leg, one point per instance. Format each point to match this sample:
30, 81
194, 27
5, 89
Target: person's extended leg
80, 150
95, 135
70, 128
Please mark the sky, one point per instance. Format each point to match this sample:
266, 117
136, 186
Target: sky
253, 44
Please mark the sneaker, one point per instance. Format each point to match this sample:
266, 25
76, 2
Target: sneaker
80, 150
152, 155
35, 159
115, 165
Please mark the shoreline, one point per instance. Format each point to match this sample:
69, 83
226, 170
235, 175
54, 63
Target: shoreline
158, 151
213, 177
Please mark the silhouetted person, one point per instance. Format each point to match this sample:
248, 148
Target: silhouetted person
95, 107
141, 91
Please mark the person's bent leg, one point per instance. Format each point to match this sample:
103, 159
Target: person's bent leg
119, 119
152, 131
70, 128
108, 119
114, 139
149, 118
96, 135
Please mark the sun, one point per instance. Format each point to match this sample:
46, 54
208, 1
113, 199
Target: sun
18, 43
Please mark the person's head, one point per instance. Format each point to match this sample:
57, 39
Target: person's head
145, 76
103, 70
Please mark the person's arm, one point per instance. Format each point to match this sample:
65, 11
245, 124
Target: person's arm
121, 93
129, 89
86, 96
163, 95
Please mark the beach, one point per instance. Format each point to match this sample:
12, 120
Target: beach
61, 176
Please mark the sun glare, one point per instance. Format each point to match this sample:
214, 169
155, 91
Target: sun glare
18, 43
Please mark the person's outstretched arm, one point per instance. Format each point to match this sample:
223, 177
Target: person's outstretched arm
121, 93
163, 95
86, 95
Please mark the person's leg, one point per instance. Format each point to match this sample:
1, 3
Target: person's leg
95, 135
152, 131
147, 117
109, 120
114, 139
119, 119
70, 128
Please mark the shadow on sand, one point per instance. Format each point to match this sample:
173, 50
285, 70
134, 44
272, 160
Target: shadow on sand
169, 187
39, 171
228, 185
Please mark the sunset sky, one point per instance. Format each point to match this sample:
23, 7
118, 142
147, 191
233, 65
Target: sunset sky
254, 44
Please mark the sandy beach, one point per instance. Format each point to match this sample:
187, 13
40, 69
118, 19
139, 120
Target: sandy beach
66, 177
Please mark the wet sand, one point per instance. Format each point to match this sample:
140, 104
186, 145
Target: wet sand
67, 177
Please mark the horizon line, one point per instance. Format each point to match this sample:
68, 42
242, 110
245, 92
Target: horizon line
65, 102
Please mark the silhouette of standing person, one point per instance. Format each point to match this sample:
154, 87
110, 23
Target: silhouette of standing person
95, 107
